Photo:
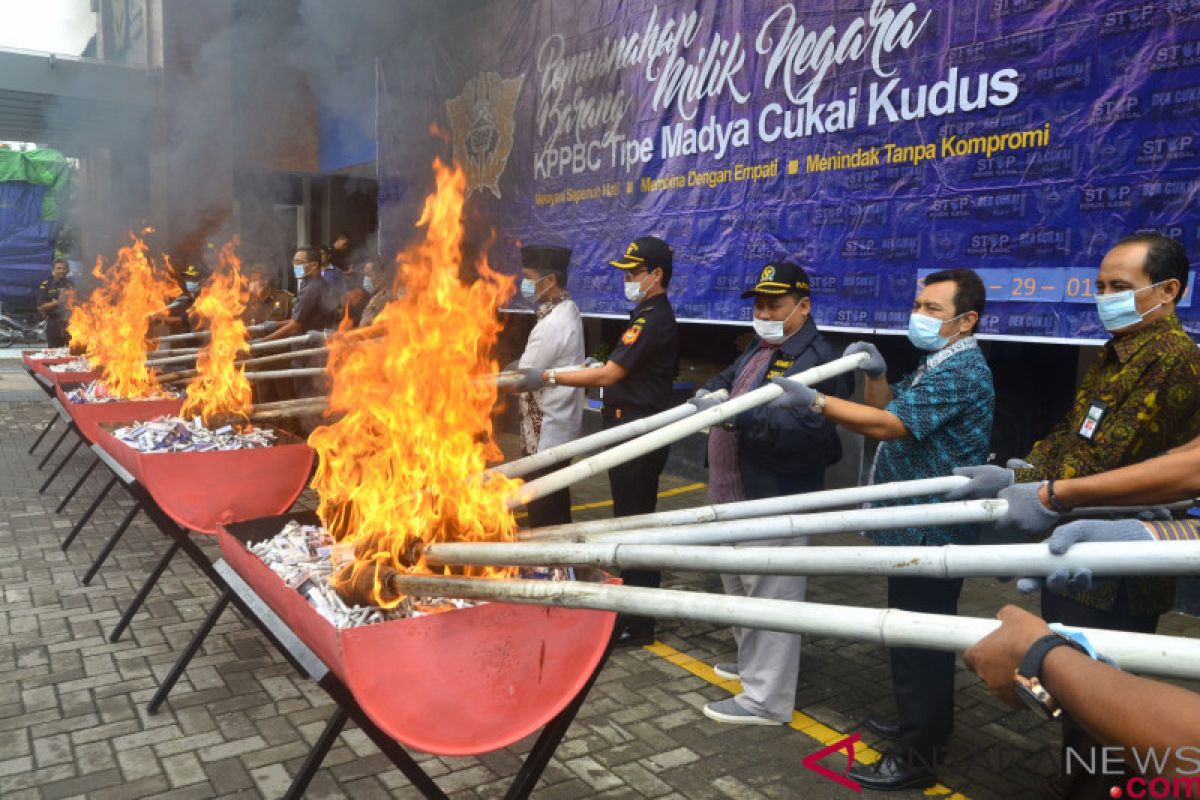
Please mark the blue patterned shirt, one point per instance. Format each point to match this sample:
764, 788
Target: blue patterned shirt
947, 406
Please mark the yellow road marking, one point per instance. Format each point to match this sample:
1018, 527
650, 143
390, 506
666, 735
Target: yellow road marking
691, 487
800, 722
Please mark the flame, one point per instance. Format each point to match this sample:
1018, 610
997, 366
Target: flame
220, 390
112, 326
405, 462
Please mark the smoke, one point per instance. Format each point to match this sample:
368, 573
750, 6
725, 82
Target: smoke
234, 123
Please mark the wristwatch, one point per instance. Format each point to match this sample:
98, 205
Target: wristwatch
818, 404
552, 377
1027, 680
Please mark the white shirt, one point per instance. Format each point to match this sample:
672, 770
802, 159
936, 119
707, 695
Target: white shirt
553, 415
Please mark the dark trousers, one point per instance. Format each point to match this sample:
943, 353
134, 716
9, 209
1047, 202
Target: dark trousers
56, 332
923, 680
634, 487
553, 509
1056, 608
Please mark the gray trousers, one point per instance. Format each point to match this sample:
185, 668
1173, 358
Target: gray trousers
768, 662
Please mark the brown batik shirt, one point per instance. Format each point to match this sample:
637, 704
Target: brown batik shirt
1139, 398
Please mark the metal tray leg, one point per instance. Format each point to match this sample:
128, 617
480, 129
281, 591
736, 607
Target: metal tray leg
312, 762
88, 514
54, 447
74, 449
143, 593
110, 544
181, 663
42, 435
78, 484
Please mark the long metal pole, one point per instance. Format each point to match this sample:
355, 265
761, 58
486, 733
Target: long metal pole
785, 504
597, 441
1158, 655
790, 526
171, 377
948, 561
266, 375
664, 436
254, 347
262, 327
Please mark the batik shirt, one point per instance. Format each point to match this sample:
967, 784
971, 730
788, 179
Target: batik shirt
946, 405
1143, 396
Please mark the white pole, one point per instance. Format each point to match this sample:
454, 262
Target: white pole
947, 561
962, 512
598, 441
1159, 655
664, 436
785, 504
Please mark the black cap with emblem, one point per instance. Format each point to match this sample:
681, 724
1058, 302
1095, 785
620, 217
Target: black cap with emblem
778, 278
648, 252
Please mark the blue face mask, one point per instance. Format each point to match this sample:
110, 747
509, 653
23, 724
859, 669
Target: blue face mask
298, 271
192, 286
925, 332
529, 288
1118, 310
368, 285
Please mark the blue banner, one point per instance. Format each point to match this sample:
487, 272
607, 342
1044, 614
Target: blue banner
26, 244
872, 142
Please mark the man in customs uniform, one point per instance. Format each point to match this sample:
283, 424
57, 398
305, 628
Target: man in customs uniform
54, 301
266, 303
310, 312
637, 380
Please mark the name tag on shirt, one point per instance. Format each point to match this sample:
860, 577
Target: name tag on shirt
1091, 422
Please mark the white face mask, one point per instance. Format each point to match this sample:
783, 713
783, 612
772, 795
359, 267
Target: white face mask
771, 330
634, 292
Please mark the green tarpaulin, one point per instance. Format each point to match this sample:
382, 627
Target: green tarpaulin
41, 168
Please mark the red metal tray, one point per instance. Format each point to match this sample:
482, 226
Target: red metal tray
42, 367
88, 416
202, 490
457, 683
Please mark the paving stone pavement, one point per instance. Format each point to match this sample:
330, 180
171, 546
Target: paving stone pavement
73, 722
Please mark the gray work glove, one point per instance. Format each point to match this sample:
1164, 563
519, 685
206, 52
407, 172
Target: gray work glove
1158, 514
875, 366
315, 338
512, 366
703, 400
795, 394
1084, 530
1018, 463
266, 326
986, 482
1025, 514
531, 380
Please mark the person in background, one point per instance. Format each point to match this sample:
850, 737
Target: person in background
336, 297
177, 315
637, 380
265, 303
935, 419
768, 452
551, 415
376, 285
55, 296
1137, 400
310, 312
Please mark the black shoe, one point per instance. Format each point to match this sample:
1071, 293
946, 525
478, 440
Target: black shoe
635, 637
892, 773
882, 727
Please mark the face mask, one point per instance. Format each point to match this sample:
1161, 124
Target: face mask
255, 287
634, 292
191, 286
1119, 309
770, 330
925, 332
368, 285
298, 271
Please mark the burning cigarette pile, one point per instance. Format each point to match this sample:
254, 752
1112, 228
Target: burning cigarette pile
99, 392
306, 557
168, 434
48, 352
74, 365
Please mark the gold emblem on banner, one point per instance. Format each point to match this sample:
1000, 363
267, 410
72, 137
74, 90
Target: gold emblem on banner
482, 119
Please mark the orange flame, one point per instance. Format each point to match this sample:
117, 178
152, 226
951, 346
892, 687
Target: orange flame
404, 463
112, 325
220, 389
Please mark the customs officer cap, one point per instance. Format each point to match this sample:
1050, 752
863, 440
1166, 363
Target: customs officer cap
648, 252
779, 278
